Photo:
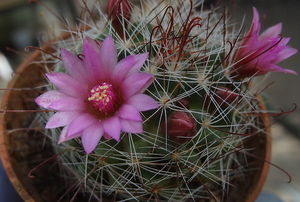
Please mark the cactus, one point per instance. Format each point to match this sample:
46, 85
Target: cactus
200, 105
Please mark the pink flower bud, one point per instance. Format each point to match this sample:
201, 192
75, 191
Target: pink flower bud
222, 97
180, 127
183, 103
119, 11
225, 96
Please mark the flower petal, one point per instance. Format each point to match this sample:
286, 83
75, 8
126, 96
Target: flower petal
284, 54
142, 102
275, 68
122, 68
62, 119
93, 44
252, 34
129, 112
73, 64
255, 21
63, 135
106, 136
68, 84
108, 54
91, 136
271, 32
80, 123
47, 98
136, 83
68, 103
128, 66
91, 60
112, 127
139, 61
131, 126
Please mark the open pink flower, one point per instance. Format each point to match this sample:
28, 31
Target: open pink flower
98, 96
259, 54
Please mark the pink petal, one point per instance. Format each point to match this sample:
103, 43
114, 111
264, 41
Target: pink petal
62, 119
68, 103
63, 135
271, 32
128, 66
142, 102
68, 84
122, 68
73, 64
93, 44
80, 123
131, 126
283, 41
136, 83
286, 53
255, 21
47, 98
106, 136
112, 127
289, 71
108, 54
139, 61
91, 136
275, 68
129, 112
92, 62
252, 34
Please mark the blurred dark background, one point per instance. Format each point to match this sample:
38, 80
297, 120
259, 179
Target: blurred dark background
27, 24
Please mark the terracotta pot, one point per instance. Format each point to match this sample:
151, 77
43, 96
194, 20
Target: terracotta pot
261, 157
24, 146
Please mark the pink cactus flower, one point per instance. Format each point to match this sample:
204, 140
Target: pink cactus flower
98, 96
180, 127
259, 54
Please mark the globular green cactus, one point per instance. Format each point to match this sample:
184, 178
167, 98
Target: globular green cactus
194, 144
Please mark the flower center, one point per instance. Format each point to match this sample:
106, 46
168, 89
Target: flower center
104, 97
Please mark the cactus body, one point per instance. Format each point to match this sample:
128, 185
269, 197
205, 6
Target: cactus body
192, 147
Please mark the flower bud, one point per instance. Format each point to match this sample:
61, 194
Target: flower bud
119, 11
225, 96
184, 103
180, 127
221, 97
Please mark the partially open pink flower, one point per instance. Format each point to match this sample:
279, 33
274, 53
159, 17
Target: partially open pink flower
259, 54
98, 96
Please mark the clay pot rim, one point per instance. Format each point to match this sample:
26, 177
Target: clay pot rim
261, 179
4, 153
